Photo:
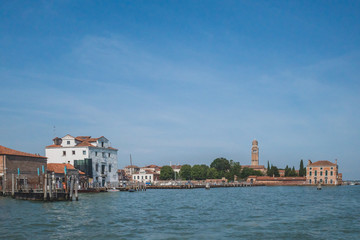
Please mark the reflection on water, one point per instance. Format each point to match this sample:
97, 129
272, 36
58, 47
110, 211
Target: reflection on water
222, 213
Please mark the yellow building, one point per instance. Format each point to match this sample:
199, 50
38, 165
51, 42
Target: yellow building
324, 172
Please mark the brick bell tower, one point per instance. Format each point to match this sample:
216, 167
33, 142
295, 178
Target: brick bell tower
255, 153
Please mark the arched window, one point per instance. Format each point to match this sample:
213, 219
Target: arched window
310, 181
326, 172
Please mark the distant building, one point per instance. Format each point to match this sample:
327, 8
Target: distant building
145, 176
255, 158
94, 156
131, 169
323, 172
25, 167
153, 168
176, 168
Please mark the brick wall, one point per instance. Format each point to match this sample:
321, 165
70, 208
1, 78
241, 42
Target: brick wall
28, 169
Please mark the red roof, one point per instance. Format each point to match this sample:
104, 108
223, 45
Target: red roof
131, 166
9, 151
151, 166
59, 167
85, 141
322, 163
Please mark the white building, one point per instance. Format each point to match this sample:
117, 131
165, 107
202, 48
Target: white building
96, 151
145, 176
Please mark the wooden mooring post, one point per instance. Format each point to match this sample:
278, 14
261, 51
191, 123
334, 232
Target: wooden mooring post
45, 186
76, 188
71, 187
12, 185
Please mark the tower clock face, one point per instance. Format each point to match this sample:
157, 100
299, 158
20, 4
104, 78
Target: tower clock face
254, 151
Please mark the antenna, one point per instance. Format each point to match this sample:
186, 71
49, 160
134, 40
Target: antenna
54, 130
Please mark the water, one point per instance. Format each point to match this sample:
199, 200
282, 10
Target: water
222, 213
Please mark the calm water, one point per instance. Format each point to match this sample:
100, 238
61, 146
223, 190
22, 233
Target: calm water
223, 213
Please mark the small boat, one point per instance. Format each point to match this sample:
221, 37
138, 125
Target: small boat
319, 187
131, 190
113, 190
207, 186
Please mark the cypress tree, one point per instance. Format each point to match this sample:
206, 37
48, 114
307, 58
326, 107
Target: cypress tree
301, 169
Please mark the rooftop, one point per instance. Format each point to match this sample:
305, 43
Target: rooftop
9, 151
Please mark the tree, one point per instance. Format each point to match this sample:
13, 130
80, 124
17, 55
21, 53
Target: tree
166, 173
185, 172
274, 171
287, 171
246, 172
302, 170
268, 169
197, 172
235, 170
212, 173
221, 164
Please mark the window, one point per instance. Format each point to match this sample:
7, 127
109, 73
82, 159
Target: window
332, 168
68, 142
315, 173
310, 168
326, 172
321, 180
145, 177
84, 152
149, 177
315, 181
73, 152
321, 173
95, 154
134, 177
310, 173
109, 167
64, 153
331, 181
103, 154
310, 181
142, 177
109, 154
138, 177
331, 173
102, 169
325, 180
321, 168
97, 167
102, 144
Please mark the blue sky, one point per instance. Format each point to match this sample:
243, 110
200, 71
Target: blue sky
185, 81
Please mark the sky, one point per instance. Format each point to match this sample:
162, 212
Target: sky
185, 81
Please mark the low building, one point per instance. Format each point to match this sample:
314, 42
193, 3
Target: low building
24, 168
176, 168
131, 169
123, 178
59, 171
94, 156
145, 176
323, 172
276, 181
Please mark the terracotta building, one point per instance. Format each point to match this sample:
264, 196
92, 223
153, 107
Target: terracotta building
323, 172
24, 168
255, 158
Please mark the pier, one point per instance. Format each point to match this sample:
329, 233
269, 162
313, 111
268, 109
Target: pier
47, 189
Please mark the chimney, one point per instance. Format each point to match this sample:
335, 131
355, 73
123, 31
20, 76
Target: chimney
336, 161
309, 162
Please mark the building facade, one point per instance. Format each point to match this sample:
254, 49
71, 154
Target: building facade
323, 172
255, 153
24, 168
95, 152
145, 176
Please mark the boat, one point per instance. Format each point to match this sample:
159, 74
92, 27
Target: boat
319, 187
207, 186
131, 190
113, 190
